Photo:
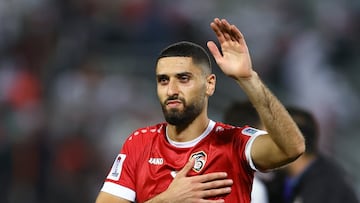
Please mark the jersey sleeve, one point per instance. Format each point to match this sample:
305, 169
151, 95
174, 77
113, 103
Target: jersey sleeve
121, 179
253, 133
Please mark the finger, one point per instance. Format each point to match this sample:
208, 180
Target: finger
204, 178
212, 201
233, 32
216, 192
225, 22
188, 166
214, 51
237, 34
214, 184
216, 27
227, 36
224, 30
225, 25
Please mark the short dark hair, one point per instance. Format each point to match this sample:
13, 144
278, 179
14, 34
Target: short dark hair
188, 49
242, 113
307, 125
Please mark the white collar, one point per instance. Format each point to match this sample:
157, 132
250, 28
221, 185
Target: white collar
193, 142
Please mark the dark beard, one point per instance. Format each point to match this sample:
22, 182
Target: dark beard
185, 117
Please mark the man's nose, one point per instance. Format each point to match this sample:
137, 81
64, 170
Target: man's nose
173, 88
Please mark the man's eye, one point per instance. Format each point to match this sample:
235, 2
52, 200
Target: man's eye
162, 80
184, 78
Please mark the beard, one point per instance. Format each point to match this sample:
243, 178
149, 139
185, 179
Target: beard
187, 115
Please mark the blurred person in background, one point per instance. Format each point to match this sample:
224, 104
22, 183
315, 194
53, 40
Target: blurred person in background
244, 114
192, 158
313, 177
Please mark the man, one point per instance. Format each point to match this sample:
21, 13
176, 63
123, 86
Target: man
313, 177
191, 158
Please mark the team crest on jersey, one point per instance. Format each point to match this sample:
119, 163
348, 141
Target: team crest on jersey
200, 160
116, 168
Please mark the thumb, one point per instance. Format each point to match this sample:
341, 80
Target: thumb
214, 50
188, 166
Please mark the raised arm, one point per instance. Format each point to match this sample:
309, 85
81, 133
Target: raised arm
284, 143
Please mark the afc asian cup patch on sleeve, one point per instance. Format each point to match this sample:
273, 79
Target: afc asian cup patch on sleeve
249, 131
116, 168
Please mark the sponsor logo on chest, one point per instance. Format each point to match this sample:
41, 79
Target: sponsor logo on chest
156, 161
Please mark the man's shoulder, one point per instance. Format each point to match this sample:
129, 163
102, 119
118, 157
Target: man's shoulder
148, 132
243, 130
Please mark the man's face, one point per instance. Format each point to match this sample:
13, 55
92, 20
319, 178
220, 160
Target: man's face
181, 88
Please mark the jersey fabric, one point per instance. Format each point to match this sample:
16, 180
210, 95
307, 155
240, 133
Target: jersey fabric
149, 160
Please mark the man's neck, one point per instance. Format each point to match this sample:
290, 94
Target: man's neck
189, 132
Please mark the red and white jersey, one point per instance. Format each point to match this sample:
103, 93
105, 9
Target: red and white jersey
149, 160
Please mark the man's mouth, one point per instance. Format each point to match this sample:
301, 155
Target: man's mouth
173, 103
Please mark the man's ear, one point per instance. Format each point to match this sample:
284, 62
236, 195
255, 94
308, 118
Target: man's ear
210, 84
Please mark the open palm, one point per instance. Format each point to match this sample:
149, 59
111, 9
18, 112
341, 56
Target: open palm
234, 60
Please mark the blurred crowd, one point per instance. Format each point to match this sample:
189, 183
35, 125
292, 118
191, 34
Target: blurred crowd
77, 76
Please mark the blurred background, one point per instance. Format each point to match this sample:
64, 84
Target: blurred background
77, 76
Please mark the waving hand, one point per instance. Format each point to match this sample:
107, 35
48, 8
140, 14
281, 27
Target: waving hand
234, 59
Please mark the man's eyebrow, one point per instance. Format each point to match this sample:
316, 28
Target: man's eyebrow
177, 74
184, 73
161, 75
